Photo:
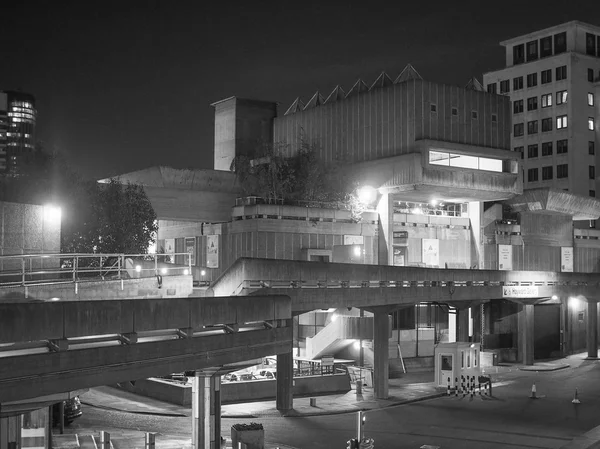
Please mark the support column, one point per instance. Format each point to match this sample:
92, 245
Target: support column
285, 382
526, 333
462, 324
206, 410
385, 209
381, 362
592, 330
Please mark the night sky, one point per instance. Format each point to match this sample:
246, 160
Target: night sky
126, 85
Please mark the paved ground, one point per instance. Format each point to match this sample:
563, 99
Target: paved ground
411, 388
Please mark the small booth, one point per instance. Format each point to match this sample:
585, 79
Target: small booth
453, 360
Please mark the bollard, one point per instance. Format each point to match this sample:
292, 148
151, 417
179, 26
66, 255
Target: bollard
448, 386
462, 386
490, 385
104, 440
150, 440
479, 388
472, 387
456, 387
313, 402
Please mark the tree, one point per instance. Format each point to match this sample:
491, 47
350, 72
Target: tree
301, 178
108, 218
117, 219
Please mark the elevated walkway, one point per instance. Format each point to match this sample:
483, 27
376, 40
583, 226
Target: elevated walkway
54, 347
322, 285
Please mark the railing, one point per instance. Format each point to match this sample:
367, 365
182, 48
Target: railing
40, 269
317, 284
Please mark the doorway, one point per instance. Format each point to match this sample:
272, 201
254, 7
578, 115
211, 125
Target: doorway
546, 331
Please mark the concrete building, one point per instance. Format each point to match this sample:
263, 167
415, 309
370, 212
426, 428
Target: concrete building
551, 77
17, 130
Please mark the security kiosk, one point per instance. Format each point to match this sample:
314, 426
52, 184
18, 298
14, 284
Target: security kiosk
453, 360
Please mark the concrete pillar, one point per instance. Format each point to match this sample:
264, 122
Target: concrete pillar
285, 382
526, 334
381, 363
206, 410
592, 330
385, 209
10, 432
462, 324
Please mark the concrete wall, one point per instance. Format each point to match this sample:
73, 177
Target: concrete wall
26, 229
172, 287
268, 232
384, 122
233, 392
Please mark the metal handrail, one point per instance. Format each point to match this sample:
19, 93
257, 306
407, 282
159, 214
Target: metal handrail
79, 267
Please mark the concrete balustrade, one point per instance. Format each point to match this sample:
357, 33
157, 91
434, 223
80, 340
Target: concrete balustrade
30, 322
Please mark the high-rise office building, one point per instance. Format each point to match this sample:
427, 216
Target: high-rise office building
552, 77
17, 130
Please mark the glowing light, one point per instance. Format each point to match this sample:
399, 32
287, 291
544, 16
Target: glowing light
163, 270
417, 211
367, 194
54, 299
554, 297
356, 250
356, 344
138, 268
202, 272
573, 303
186, 272
434, 202
333, 317
52, 213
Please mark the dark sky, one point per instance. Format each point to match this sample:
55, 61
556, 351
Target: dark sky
126, 85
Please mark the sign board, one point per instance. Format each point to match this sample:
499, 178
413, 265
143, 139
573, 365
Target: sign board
400, 234
431, 252
327, 360
520, 291
212, 251
354, 240
399, 257
170, 250
367, 344
566, 259
190, 248
505, 257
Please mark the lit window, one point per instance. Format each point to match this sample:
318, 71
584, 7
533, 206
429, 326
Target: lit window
561, 97
590, 99
561, 122
546, 100
464, 161
591, 123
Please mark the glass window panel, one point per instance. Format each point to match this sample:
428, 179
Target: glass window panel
439, 158
463, 161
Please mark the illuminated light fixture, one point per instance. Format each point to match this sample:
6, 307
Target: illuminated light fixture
163, 270
554, 297
138, 268
52, 213
472, 345
54, 299
333, 317
202, 272
417, 211
186, 272
357, 344
367, 194
356, 250
573, 303
434, 203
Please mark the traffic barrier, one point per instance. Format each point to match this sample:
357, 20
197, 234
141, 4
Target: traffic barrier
533, 394
472, 387
576, 398
456, 387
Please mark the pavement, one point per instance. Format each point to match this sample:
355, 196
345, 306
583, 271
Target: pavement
411, 387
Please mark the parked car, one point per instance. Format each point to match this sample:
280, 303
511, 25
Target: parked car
72, 411
266, 373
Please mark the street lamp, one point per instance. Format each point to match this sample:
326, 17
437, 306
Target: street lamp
52, 213
367, 194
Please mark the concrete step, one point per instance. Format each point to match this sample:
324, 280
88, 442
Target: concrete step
87, 442
65, 441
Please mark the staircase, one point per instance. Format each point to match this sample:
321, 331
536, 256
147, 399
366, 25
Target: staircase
339, 334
